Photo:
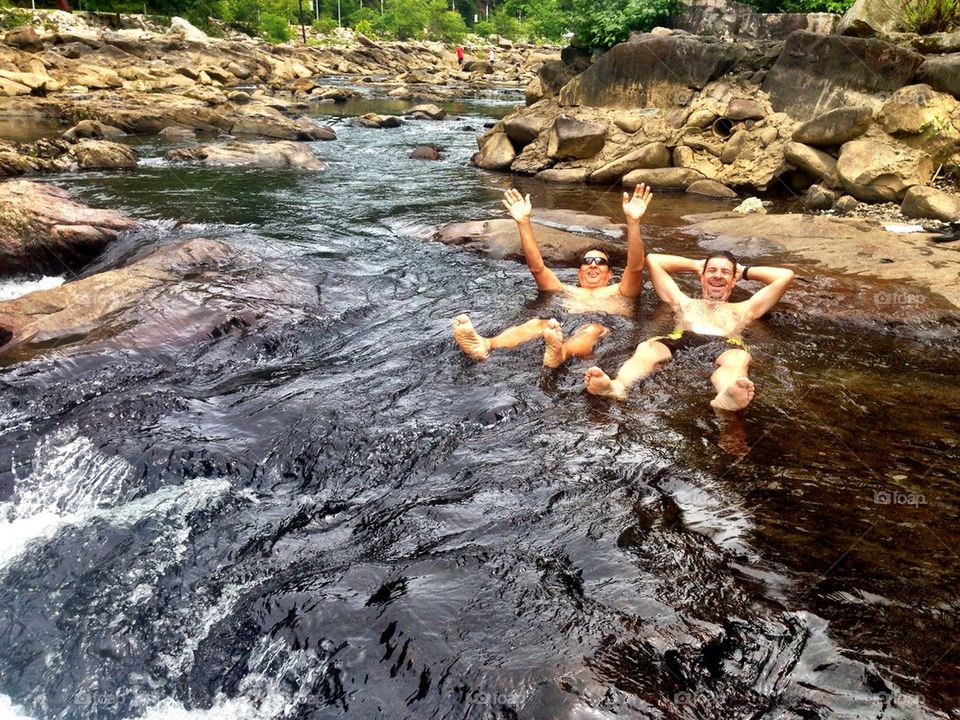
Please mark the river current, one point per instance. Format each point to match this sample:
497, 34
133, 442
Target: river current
322, 509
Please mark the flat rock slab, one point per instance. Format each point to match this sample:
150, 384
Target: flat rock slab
896, 274
265, 155
562, 235
43, 230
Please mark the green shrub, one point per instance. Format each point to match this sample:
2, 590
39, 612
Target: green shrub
448, 26
324, 25
929, 16
604, 23
485, 28
276, 28
12, 17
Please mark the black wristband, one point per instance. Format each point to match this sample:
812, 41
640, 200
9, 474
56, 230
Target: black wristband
743, 275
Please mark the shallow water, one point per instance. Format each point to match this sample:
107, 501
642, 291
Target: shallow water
326, 511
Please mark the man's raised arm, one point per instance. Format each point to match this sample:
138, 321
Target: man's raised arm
661, 267
519, 207
633, 209
777, 281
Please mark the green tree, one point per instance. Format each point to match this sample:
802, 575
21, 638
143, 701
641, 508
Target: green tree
604, 23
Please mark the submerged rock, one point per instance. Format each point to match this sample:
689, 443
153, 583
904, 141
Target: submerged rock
42, 230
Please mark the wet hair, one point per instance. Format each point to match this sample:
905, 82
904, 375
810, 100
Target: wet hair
726, 255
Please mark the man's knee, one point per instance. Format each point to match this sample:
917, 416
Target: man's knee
653, 348
734, 357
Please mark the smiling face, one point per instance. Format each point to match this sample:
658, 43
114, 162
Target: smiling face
592, 275
717, 279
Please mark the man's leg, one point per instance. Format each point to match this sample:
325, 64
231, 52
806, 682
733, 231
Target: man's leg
556, 350
648, 356
734, 389
479, 347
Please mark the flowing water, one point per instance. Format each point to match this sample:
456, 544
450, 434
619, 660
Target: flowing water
320, 509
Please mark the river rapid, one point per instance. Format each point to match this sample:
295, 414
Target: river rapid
326, 511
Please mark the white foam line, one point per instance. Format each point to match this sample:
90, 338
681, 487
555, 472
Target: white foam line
9, 711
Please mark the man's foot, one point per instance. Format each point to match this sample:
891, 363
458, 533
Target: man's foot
468, 339
553, 344
599, 383
736, 396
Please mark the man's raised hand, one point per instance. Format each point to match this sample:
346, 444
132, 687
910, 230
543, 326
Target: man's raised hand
634, 207
518, 205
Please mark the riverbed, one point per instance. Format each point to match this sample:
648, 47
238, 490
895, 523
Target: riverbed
336, 514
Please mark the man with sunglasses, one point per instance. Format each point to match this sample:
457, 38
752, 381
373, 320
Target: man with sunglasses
709, 320
593, 292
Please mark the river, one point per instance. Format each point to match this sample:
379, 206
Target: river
324, 510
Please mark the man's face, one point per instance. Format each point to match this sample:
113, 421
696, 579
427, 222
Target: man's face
592, 275
717, 279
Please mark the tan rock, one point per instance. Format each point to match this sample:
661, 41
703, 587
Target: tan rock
651, 155
878, 172
663, 178
564, 175
496, 153
264, 155
928, 202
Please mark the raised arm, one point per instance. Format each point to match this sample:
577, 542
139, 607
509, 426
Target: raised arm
777, 280
633, 209
519, 207
661, 267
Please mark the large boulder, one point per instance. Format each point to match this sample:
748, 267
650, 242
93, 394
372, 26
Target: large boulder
834, 127
102, 155
92, 130
24, 38
816, 73
553, 75
928, 202
654, 70
522, 129
816, 163
570, 138
942, 73
651, 155
186, 30
917, 109
42, 230
559, 247
264, 155
867, 18
879, 172
496, 152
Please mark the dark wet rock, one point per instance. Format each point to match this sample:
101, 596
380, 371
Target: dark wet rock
499, 238
570, 138
426, 152
75, 309
672, 178
265, 155
42, 230
651, 155
942, 73
373, 120
496, 152
711, 188
649, 72
816, 73
816, 163
834, 127
553, 75
928, 202
478, 66
876, 172
522, 129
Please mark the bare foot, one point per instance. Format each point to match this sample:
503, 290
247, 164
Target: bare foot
468, 339
736, 396
553, 344
599, 383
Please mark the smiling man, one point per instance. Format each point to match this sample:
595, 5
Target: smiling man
593, 292
707, 320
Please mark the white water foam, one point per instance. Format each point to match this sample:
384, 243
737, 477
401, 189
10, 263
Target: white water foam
223, 708
12, 289
9, 711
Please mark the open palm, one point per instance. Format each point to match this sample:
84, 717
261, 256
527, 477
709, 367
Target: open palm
634, 207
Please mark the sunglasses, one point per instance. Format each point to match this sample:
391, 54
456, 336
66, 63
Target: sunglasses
594, 260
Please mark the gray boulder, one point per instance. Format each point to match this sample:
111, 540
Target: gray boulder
522, 130
867, 18
496, 152
819, 197
834, 127
942, 73
816, 73
570, 138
